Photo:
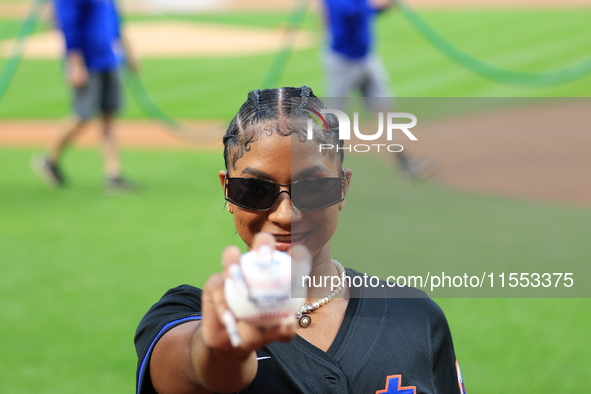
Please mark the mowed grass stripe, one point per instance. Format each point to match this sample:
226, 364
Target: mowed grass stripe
212, 88
425, 71
83, 268
494, 39
533, 345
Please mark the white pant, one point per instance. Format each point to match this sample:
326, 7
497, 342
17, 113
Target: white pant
366, 75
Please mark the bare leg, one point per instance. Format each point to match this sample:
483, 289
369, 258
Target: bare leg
112, 162
115, 182
65, 138
46, 166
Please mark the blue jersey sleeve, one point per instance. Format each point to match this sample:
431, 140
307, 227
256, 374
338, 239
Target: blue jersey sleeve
117, 19
179, 305
69, 17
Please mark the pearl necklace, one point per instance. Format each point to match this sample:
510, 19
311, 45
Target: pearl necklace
303, 316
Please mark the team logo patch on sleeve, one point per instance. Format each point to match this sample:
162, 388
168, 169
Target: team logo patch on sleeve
394, 386
460, 379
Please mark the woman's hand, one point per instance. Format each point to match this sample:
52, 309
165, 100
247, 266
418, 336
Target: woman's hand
77, 72
212, 364
215, 324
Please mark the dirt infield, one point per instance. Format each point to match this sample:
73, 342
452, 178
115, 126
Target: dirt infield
537, 153
136, 134
175, 39
478, 153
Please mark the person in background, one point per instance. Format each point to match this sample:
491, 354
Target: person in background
95, 55
352, 66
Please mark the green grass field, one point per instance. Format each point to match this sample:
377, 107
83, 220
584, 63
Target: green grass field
193, 89
79, 269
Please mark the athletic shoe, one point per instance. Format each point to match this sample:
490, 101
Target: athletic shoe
119, 185
48, 171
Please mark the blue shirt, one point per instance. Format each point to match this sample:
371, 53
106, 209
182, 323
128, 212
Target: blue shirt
350, 26
93, 28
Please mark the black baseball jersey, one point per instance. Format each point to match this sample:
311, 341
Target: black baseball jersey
384, 345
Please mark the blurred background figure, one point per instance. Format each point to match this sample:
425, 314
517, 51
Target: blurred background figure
95, 53
352, 66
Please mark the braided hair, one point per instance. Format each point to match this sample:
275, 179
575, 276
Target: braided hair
284, 111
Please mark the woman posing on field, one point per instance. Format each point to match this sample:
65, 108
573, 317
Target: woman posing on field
282, 192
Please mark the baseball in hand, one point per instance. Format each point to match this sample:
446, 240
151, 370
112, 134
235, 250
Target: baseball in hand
258, 290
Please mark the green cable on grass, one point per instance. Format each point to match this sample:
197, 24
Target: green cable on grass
26, 28
532, 79
143, 99
145, 102
153, 111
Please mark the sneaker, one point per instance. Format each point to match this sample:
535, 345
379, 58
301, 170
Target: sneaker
119, 185
419, 169
48, 171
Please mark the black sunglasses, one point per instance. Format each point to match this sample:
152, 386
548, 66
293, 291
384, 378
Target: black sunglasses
306, 194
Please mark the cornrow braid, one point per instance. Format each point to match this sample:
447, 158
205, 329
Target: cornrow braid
304, 94
255, 97
284, 112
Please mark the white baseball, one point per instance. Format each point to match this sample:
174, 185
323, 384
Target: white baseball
259, 289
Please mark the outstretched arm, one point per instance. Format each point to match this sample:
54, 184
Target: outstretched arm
198, 357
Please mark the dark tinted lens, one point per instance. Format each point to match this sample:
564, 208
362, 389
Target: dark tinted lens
316, 193
252, 193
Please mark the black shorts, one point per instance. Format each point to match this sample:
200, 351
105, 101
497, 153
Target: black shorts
102, 92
